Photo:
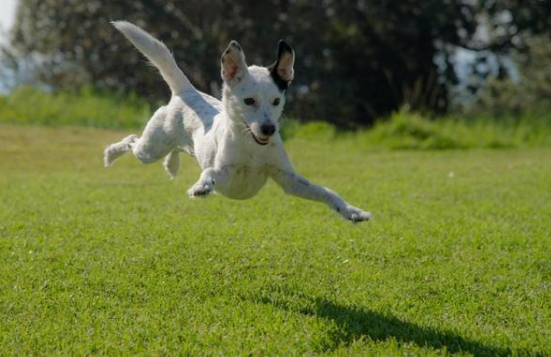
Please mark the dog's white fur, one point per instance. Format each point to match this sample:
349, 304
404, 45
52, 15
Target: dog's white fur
236, 155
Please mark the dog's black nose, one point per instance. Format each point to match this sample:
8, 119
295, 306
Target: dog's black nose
267, 129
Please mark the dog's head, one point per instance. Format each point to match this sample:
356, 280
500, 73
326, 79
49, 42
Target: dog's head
254, 96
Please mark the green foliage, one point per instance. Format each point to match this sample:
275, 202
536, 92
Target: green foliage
27, 105
93, 261
411, 131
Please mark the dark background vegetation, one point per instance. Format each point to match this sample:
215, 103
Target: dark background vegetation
356, 60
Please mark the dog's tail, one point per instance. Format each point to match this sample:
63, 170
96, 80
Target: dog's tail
157, 53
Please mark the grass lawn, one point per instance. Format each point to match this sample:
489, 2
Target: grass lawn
118, 261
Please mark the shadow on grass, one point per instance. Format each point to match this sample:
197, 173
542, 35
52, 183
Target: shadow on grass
355, 323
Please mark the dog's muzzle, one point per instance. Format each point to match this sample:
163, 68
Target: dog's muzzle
258, 140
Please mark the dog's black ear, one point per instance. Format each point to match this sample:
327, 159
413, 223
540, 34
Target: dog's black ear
282, 70
234, 67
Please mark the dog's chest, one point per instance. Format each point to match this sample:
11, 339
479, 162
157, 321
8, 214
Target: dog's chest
244, 180
247, 173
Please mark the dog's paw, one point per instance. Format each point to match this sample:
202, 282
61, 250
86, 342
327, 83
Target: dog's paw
354, 214
200, 189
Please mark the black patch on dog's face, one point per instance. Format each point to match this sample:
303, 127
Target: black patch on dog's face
284, 48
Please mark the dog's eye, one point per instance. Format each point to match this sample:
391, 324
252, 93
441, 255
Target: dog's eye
249, 101
276, 101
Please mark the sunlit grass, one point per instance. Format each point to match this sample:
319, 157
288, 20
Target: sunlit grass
118, 261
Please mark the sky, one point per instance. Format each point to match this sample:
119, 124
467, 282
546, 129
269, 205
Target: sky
7, 12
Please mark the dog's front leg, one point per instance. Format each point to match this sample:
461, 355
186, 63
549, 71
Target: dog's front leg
209, 178
296, 185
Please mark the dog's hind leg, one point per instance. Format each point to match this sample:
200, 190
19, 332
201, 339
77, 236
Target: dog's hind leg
171, 163
157, 139
156, 142
114, 151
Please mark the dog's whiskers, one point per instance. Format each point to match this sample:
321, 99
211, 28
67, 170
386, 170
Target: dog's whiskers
246, 129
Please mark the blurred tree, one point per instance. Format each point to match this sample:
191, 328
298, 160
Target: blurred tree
530, 93
356, 60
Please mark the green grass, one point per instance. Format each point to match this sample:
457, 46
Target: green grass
407, 130
27, 105
93, 261
411, 131
402, 131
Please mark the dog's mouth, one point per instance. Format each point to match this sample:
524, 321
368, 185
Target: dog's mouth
259, 140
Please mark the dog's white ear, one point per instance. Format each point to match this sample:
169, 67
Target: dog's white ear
282, 70
234, 67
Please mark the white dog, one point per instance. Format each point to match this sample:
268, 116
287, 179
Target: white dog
236, 140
